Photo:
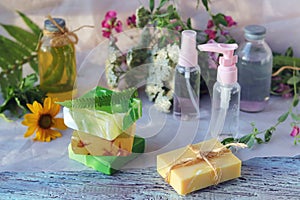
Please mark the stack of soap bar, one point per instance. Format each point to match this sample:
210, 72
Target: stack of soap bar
104, 128
186, 179
88, 144
109, 164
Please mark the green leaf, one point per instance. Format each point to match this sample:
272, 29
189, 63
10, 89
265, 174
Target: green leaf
295, 117
34, 64
283, 117
281, 60
228, 140
12, 52
259, 140
162, 3
220, 19
8, 80
205, 4
105, 100
293, 80
289, 52
34, 27
295, 101
251, 141
25, 38
245, 139
189, 23
268, 136
151, 5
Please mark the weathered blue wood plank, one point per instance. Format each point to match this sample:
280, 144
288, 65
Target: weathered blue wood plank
262, 178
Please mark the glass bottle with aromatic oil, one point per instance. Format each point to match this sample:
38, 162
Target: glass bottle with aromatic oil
56, 60
254, 69
187, 79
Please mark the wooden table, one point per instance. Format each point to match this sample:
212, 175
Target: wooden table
262, 178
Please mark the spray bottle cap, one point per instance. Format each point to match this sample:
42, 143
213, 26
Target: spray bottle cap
188, 56
227, 71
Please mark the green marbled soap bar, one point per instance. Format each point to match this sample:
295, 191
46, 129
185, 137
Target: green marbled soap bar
109, 164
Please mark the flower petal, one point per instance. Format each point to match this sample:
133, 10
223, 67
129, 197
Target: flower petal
30, 131
55, 108
37, 107
47, 104
59, 124
40, 135
54, 134
30, 119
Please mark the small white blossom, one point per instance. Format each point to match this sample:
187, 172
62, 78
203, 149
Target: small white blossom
173, 52
162, 103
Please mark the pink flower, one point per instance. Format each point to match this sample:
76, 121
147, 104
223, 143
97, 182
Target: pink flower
111, 15
230, 21
284, 90
106, 34
295, 131
224, 32
211, 34
118, 26
210, 24
131, 21
105, 24
109, 23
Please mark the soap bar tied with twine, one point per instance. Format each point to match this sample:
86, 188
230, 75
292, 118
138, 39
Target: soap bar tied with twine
204, 156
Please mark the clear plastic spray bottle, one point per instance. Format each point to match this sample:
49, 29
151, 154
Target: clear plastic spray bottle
187, 79
226, 92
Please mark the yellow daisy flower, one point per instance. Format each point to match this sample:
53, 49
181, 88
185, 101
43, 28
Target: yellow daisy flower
41, 120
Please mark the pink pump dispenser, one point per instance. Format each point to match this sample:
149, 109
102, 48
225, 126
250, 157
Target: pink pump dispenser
227, 70
226, 92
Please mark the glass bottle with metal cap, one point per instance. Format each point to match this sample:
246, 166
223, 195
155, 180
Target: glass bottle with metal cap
56, 60
255, 61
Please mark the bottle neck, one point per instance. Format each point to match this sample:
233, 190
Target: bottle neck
256, 41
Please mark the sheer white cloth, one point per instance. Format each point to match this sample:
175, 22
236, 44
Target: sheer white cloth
161, 131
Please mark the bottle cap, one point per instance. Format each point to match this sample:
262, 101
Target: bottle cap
188, 56
49, 26
255, 32
227, 71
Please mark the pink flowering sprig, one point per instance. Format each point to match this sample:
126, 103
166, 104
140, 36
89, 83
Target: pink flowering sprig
131, 21
217, 26
296, 134
111, 23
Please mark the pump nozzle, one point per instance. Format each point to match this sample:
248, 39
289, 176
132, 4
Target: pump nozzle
227, 71
227, 50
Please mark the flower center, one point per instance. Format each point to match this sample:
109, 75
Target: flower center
45, 121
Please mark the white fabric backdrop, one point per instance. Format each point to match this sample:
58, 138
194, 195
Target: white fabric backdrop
161, 131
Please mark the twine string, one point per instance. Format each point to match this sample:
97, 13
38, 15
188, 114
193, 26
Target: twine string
64, 35
284, 68
203, 156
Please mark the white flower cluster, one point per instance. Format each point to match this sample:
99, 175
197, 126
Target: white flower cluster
159, 86
111, 64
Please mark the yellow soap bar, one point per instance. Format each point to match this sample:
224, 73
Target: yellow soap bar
186, 179
87, 144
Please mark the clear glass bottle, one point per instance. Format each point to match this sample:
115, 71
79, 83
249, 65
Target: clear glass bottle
56, 61
187, 79
255, 61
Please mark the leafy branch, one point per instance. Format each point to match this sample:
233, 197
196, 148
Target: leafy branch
122, 98
252, 138
15, 53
